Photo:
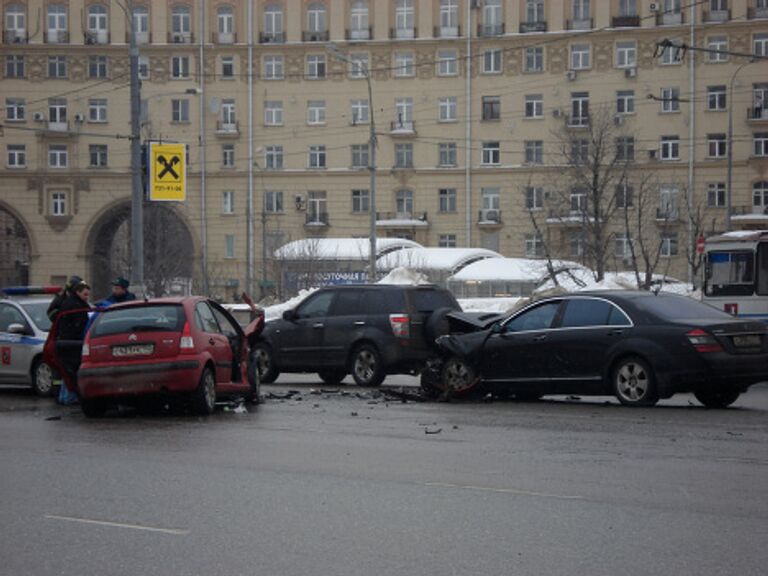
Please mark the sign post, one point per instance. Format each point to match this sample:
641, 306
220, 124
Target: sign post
167, 172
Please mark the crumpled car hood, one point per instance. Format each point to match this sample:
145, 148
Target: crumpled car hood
472, 321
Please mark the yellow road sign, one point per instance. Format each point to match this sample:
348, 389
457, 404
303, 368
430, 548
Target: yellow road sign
167, 172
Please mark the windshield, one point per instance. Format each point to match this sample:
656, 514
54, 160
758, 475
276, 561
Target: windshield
730, 273
38, 312
160, 318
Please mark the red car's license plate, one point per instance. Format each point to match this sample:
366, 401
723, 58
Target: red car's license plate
747, 341
133, 350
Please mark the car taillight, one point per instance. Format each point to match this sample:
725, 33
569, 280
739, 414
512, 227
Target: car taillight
401, 328
703, 341
186, 342
86, 350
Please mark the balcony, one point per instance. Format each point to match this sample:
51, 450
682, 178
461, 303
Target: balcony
57, 37
271, 38
664, 215
581, 24
224, 37
489, 218
489, 30
755, 13
568, 216
59, 127
717, 15
540, 26
141, 37
669, 19
17, 36
359, 33
753, 214
227, 129
757, 115
577, 121
316, 219
402, 128
180, 38
446, 31
625, 21
97, 37
401, 219
403, 33
315, 36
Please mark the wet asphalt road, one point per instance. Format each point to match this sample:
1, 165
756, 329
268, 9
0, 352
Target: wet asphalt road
340, 484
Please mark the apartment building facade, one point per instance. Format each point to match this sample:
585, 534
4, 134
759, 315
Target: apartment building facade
472, 102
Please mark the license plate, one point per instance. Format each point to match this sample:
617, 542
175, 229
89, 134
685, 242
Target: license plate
747, 341
133, 350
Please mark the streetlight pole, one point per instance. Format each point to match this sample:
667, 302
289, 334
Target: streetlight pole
137, 191
728, 193
371, 157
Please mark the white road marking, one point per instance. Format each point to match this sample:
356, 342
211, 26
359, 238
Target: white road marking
173, 531
505, 491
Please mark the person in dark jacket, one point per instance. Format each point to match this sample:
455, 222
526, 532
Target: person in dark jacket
119, 294
66, 290
71, 331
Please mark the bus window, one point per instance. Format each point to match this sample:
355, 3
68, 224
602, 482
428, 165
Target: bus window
730, 274
762, 269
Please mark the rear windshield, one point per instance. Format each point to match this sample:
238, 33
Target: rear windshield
431, 300
159, 318
679, 308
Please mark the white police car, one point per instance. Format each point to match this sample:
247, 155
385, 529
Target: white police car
24, 326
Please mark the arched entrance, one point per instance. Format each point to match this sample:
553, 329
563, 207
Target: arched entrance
168, 250
14, 250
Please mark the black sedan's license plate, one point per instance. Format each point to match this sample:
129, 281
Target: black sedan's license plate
746, 341
133, 350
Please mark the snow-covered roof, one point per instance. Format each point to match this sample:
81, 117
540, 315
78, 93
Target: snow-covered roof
509, 270
584, 279
448, 259
339, 248
739, 235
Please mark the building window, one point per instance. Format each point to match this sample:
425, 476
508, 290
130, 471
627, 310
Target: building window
361, 201
273, 22
670, 99
180, 67
668, 204
579, 109
716, 98
672, 54
490, 199
446, 154
625, 148
181, 21
716, 194
273, 113
404, 203
670, 148
316, 157
624, 196
315, 66
16, 21
358, 65
57, 23
760, 144
225, 22
228, 155
141, 23
580, 56
57, 110
404, 155
273, 67
97, 66
359, 22
622, 246
579, 151
228, 202
625, 102
274, 157
15, 109
227, 67
492, 61
229, 246
491, 108
446, 241
716, 145
447, 64
316, 112
316, 18
447, 109
534, 198
404, 19
17, 156
404, 112
97, 110
57, 67
97, 154
58, 203
97, 24
403, 65
58, 156
359, 112
143, 67
491, 154
446, 200
718, 49
534, 246
360, 157
627, 7
577, 197
668, 244
534, 11
534, 151
760, 195
760, 45
14, 66
534, 106
534, 59
626, 54
273, 201
180, 111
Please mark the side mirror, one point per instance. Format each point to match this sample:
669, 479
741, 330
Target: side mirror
497, 328
289, 315
16, 328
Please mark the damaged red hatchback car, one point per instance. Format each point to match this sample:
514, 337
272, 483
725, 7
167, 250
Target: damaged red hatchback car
168, 346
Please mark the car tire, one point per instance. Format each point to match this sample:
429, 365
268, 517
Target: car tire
94, 407
633, 382
42, 378
458, 376
366, 367
265, 362
332, 377
716, 398
254, 381
437, 325
204, 396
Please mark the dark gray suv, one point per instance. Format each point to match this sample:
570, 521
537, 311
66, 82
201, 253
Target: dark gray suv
366, 330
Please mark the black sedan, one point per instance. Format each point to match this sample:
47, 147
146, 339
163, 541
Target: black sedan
638, 346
